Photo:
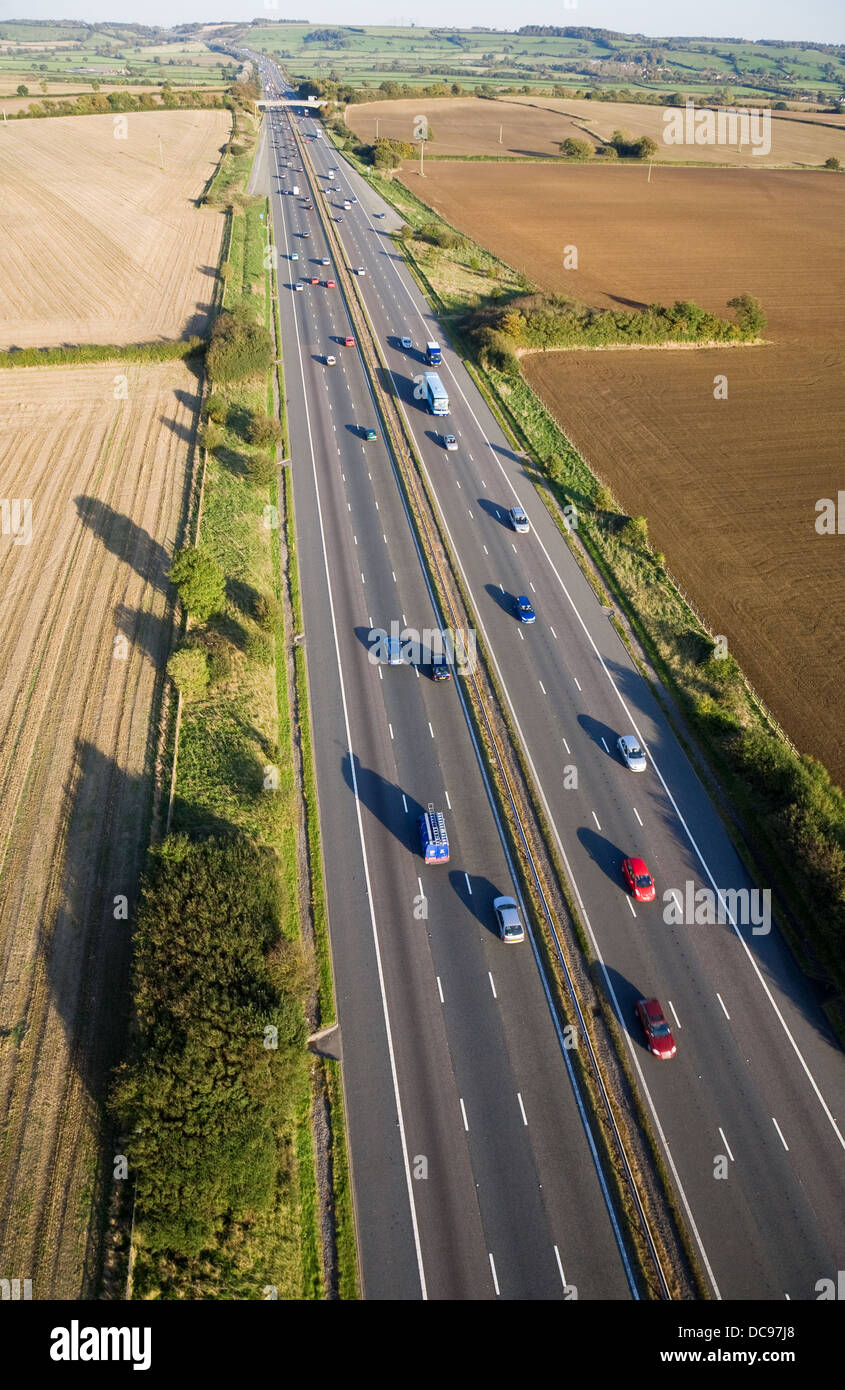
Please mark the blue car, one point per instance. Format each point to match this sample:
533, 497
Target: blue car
524, 610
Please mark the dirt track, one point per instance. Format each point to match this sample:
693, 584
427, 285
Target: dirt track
106, 479
102, 245
729, 487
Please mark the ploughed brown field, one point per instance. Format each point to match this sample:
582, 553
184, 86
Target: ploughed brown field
86, 627
101, 244
729, 487
534, 126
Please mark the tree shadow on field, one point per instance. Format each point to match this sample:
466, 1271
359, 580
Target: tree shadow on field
626, 303
196, 325
128, 541
183, 432
242, 595
85, 942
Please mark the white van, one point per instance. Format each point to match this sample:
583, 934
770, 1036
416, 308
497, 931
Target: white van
295, 189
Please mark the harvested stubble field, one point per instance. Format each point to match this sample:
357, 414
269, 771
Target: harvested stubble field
102, 245
729, 487
107, 479
534, 126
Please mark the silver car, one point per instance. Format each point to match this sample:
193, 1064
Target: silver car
508, 920
450, 443
631, 753
519, 521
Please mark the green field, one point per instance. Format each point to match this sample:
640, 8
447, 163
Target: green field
582, 58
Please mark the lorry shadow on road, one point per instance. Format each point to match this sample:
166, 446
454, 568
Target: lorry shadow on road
383, 799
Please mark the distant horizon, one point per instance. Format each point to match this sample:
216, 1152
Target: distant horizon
747, 21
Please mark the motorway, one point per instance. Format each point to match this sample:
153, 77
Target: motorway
750, 1110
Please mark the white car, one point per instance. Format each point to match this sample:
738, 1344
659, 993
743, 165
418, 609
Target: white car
406, 343
450, 443
325, 261
347, 204
631, 753
508, 920
519, 521
299, 285
331, 360
360, 270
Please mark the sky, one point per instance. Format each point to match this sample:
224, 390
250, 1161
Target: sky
820, 21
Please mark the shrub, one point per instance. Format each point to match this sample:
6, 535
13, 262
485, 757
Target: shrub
210, 435
260, 469
635, 531
262, 430
575, 149
217, 408
260, 647
188, 669
240, 346
603, 499
607, 151
267, 611
199, 581
832, 162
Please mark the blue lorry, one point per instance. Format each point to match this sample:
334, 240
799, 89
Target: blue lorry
434, 841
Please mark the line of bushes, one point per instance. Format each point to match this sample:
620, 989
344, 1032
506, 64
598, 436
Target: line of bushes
98, 103
542, 321
168, 350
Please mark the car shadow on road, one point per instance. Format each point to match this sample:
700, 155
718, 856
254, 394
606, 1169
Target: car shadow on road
479, 902
627, 993
505, 600
493, 510
604, 853
597, 730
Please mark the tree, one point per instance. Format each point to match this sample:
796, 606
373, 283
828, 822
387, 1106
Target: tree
832, 162
635, 531
575, 149
240, 346
23, 91
749, 314
199, 580
263, 430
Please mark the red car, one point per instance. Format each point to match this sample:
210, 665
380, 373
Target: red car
639, 880
315, 279
658, 1034
330, 285
348, 341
